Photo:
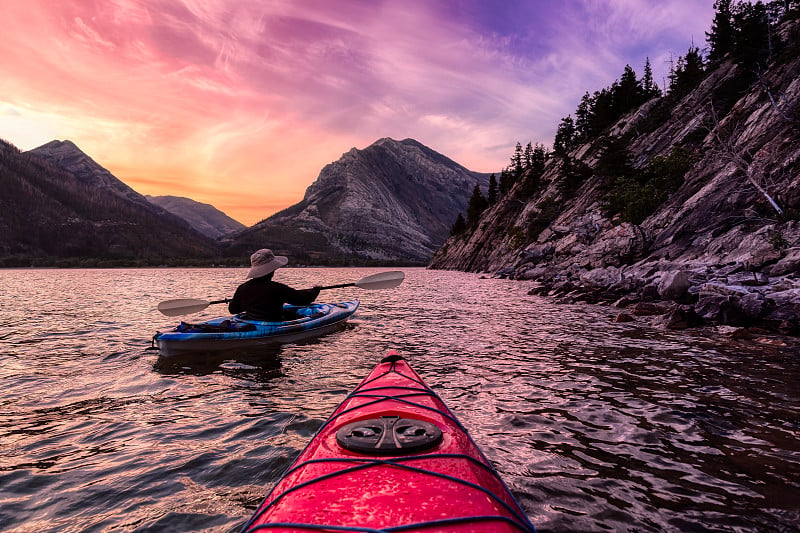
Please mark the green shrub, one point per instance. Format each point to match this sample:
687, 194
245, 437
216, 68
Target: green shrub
636, 196
517, 237
549, 210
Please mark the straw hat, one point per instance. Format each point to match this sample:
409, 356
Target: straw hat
264, 262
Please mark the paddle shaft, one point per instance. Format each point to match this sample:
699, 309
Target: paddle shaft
184, 306
226, 300
337, 286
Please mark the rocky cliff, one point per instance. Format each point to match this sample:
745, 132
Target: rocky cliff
713, 246
393, 201
204, 218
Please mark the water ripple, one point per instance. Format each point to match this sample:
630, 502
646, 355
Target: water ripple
594, 425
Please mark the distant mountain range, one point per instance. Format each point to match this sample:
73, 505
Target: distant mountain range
59, 207
204, 218
394, 201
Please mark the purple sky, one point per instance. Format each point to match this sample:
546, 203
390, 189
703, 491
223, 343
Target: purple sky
240, 103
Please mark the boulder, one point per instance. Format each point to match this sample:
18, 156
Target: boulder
789, 264
723, 289
754, 305
649, 309
624, 317
600, 278
748, 279
674, 285
787, 306
733, 332
681, 318
721, 308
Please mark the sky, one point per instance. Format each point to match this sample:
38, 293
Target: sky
241, 103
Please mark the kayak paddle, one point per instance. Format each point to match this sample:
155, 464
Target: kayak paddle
382, 280
186, 306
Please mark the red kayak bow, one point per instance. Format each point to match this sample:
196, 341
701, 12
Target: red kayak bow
392, 457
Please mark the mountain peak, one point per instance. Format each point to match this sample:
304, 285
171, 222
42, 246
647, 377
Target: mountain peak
205, 218
391, 201
71, 158
58, 145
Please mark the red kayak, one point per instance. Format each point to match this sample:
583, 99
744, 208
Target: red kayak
392, 457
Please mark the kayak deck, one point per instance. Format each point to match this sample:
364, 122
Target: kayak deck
392, 457
237, 332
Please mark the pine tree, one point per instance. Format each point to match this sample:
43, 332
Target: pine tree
492, 195
565, 136
538, 159
626, 92
720, 39
583, 118
528, 156
603, 114
688, 72
694, 68
459, 226
477, 204
516, 160
506, 181
648, 87
751, 38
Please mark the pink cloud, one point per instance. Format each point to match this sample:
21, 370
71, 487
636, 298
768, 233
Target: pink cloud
242, 102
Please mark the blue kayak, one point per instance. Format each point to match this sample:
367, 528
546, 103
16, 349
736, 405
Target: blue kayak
237, 332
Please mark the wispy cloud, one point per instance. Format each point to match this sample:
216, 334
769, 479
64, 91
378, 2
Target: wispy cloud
242, 102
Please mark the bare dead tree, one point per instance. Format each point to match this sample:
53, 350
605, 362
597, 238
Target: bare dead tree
781, 105
745, 162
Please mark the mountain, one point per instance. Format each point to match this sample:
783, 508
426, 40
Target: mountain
59, 207
394, 201
672, 203
204, 218
66, 155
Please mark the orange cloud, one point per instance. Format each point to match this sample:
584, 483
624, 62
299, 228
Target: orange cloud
240, 103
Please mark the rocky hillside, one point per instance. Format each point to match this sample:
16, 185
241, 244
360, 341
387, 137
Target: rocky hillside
65, 155
393, 201
58, 207
204, 218
672, 203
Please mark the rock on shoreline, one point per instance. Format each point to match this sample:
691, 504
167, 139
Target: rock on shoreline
761, 287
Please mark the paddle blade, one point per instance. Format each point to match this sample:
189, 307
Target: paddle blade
382, 280
182, 306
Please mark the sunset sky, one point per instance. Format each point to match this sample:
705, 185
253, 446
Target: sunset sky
240, 103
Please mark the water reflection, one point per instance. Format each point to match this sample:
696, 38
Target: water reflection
260, 364
594, 425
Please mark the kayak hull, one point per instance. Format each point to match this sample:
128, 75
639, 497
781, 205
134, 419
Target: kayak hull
391, 457
238, 333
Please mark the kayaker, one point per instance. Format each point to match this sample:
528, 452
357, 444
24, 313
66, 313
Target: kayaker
261, 297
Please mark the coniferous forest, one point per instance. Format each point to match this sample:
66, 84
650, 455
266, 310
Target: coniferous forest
67, 222
743, 31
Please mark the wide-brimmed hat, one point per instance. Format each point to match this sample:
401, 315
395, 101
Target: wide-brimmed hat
264, 261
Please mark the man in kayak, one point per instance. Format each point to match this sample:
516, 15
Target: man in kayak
263, 299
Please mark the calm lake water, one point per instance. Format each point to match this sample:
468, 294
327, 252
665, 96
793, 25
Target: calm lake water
595, 426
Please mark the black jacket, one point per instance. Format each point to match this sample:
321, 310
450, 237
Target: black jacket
263, 299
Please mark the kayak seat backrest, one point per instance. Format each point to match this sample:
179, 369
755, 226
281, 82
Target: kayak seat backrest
223, 327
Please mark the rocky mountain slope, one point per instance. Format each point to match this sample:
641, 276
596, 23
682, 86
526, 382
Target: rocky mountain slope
59, 207
392, 201
65, 155
714, 250
204, 218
